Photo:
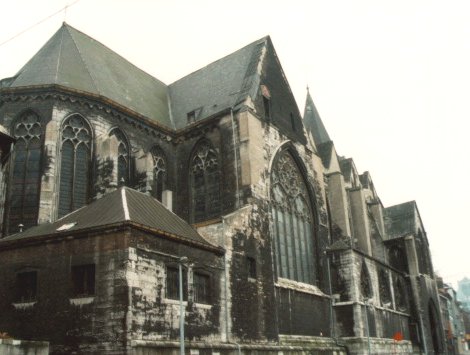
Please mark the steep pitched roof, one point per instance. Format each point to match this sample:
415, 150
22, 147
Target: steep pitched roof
124, 205
325, 151
313, 123
74, 60
219, 86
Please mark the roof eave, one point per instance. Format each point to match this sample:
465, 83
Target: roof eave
81, 233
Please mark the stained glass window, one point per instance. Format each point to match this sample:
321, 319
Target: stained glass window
24, 192
205, 184
74, 165
159, 172
293, 221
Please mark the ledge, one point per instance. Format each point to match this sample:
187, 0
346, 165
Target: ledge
24, 305
300, 287
175, 302
81, 301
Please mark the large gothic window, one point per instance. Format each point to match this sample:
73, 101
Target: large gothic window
293, 221
24, 201
159, 172
123, 157
75, 164
205, 184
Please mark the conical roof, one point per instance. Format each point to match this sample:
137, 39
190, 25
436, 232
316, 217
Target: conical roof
74, 60
313, 123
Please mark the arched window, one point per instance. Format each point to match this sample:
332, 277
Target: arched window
293, 221
159, 172
123, 156
75, 164
366, 286
205, 184
24, 192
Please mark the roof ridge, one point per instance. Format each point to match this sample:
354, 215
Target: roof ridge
81, 57
222, 58
156, 200
58, 57
125, 206
113, 51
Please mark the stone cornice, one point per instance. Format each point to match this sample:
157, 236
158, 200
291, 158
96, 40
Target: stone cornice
98, 102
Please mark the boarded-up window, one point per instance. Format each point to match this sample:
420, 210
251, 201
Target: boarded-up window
293, 222
205, 183
26, 174
74, 165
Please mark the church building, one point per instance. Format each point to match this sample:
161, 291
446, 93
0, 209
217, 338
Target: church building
117, 181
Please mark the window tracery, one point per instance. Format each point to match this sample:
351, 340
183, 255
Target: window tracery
293, 221
123, 157
24, 201
159, 172
75, 165
205, 184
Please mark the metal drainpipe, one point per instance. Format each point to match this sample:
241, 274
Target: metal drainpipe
182, 310
225, 282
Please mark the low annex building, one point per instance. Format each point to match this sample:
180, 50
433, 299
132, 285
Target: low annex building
115, 177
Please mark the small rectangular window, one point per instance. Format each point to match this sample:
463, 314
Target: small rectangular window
191, 116
26, 283
251, 266
83, 280
201, 288
172, 283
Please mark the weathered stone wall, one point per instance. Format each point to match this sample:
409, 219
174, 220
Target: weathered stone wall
370, 315
21, 347
53, 109
92, 324
153, 315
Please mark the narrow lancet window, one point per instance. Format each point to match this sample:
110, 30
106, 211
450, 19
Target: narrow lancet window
159, 172
123, 170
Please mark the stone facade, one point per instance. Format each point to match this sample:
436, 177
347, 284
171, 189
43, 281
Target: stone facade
310, 260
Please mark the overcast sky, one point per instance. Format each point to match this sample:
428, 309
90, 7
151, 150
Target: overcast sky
390, 79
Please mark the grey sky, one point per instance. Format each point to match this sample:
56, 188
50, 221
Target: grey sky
391, 80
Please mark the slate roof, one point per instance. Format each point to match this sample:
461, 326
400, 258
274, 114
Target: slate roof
401, 219
221, 85
74, 60
325, 152
313, 123
121, 206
